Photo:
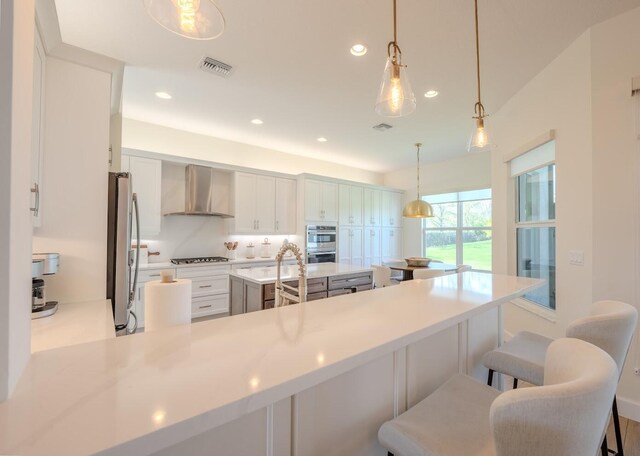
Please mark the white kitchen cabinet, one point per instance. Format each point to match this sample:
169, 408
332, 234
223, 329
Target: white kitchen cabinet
255, 204
285, 206
321, 201
372, 246
350, 246
146, 183
391, 208
350, 205
372, 207
37, 131
209, 289
391, 243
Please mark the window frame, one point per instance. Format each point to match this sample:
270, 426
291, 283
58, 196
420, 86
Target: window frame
537, 308
459, 229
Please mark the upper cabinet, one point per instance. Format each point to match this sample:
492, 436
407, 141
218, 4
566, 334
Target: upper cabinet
391, 209
37, 135
285, 206
146, 183
263, 204
321, 201
372, 207
350, 205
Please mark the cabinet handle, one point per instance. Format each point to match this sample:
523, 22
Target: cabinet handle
139, 293
36, 208
277, 225
206, 286
154, 275
204, 307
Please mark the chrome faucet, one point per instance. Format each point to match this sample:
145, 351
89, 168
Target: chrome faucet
284, 292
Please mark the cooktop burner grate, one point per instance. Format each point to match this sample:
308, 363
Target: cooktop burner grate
214, 259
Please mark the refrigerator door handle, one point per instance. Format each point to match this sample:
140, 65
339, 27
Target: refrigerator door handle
132, 292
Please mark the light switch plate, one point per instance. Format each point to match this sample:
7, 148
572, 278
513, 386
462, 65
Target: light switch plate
576, 257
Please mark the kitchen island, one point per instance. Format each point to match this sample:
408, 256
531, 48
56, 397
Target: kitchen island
253, 288
303, 379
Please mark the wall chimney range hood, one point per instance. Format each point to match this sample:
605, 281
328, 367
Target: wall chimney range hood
199, 194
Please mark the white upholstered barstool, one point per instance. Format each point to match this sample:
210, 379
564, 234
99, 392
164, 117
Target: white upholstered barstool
427, 273
610, 326
565, 417
381, 276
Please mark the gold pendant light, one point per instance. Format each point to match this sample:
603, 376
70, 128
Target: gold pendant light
479, 140
194, 19
418, 208
395, 98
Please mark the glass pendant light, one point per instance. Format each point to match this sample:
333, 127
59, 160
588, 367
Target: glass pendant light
195, 19
479, 140
418, 208
395, 98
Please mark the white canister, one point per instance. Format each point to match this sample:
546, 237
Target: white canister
265, 249
251, 251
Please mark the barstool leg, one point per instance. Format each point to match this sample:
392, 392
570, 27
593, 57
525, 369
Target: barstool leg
616, 426
389, 453
604, 450
490, 379
515, 383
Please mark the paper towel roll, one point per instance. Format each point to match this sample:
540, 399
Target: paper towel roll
167, 304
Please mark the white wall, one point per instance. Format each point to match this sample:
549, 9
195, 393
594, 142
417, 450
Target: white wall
156, 138
16, 73
585, 95
74, 200
469, 172
615, 57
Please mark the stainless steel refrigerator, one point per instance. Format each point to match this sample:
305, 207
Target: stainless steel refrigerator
122, 259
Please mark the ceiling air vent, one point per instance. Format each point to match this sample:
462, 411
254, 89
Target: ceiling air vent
382, 127
215, 66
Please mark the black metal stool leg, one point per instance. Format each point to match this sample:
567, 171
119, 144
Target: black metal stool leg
389, 453
604, 450
616, 425
515, 383
490, 379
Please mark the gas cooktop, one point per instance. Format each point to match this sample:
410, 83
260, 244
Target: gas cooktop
215, 259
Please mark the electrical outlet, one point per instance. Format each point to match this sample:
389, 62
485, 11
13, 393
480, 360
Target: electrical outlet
636, 371
576, 257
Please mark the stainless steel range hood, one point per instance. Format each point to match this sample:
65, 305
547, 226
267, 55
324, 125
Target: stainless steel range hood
199, 193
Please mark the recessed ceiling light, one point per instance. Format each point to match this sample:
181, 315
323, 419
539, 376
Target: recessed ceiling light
164, 95
321, 139
431, 93
358, 50
257, 122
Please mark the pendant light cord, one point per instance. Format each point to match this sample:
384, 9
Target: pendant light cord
395, 24
418, 154
394, 44
479, 108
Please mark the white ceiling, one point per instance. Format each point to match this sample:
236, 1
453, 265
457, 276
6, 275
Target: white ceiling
293, 69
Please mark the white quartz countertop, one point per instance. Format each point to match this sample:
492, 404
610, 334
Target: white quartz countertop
73, 323
265, 275
141, 393
169, 265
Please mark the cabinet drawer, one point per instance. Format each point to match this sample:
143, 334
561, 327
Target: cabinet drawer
147, 276
209, 305
340, 292
203, 271
270, 289
310, 297
316, 296
350, 280
203, 286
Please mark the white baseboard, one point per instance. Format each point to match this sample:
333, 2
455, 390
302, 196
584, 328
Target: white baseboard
629, 409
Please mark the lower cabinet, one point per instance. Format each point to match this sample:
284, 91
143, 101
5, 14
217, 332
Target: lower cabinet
247, 296
138, 300
209, 289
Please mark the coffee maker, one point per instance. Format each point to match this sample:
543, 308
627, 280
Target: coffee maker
43, 264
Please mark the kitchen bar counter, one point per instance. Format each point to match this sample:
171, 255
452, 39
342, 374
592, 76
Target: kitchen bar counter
73, 323
165, 390
266, 275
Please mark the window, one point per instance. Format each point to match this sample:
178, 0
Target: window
535, 185
460, 231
